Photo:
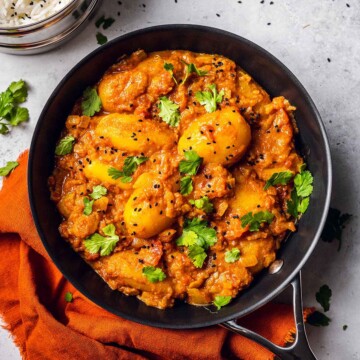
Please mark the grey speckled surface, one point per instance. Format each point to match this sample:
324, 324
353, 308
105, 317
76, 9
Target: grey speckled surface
320, 42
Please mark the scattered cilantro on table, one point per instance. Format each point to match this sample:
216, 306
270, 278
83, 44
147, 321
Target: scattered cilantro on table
210, 99
8, 168
104, 22
203, 204
221, 301
11, 114
130, 165
198, 237
318, 319
169, 111
91, 102
101, 38
65, 145
105, 245
232, 255
334, 225
255, 220
153, 274
323, 297
281, 178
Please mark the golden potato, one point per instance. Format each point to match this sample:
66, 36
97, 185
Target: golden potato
144, 212
131, 133
99, 171
220, 137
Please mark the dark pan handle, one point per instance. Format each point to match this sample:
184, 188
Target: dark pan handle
300, 348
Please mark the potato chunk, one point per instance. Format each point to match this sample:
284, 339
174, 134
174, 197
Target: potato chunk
99, 171
220, 137
144, 213
131, 133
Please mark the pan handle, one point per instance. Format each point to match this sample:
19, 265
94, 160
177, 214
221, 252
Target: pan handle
300, 348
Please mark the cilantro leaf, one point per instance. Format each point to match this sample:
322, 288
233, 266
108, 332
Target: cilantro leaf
18, 115
203, 204
187, 238
170, 68
186, 185
197, 254
153, 274
192, 69
281, 178
232, 255
221, 301
68, 297
10, 112
10, 166
65, 145
18, 90
334, 225
255, 220
88, 204
323, 297
104, 22
293, 204
169, 111
303, 183
318, 319
98, 192
191, 165
210, 99
101, 38
131, 163
105, 245
303, 204
91, 102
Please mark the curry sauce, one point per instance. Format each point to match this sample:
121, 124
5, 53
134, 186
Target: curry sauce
185, 221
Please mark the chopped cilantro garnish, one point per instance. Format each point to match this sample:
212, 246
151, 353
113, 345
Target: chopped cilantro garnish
91, 103
101, 38
68, 297
169, 111
191, 165
221, 301
8, 168
323, 297
153, 274
65, 145
210, 99
335, 223
299, 198
281, 178
232, 255
105, 245
88, 204
104, 22
254, 220
186, 185
203, 204
98, 192
318, 319
10, 112
131, 163
198, 237
192, 69
170, 68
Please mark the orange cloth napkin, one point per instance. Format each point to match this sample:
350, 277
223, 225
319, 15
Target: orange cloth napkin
45, 326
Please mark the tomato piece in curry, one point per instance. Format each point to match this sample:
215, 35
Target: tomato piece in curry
245, 139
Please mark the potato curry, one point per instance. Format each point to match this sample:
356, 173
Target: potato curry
177, 178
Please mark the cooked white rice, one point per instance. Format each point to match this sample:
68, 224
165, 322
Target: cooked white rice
15, 13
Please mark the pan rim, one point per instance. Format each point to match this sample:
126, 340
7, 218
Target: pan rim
278, 289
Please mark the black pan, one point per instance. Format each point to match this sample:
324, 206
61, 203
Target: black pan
277, 80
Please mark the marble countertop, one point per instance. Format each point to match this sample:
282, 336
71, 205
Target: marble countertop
319, 42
